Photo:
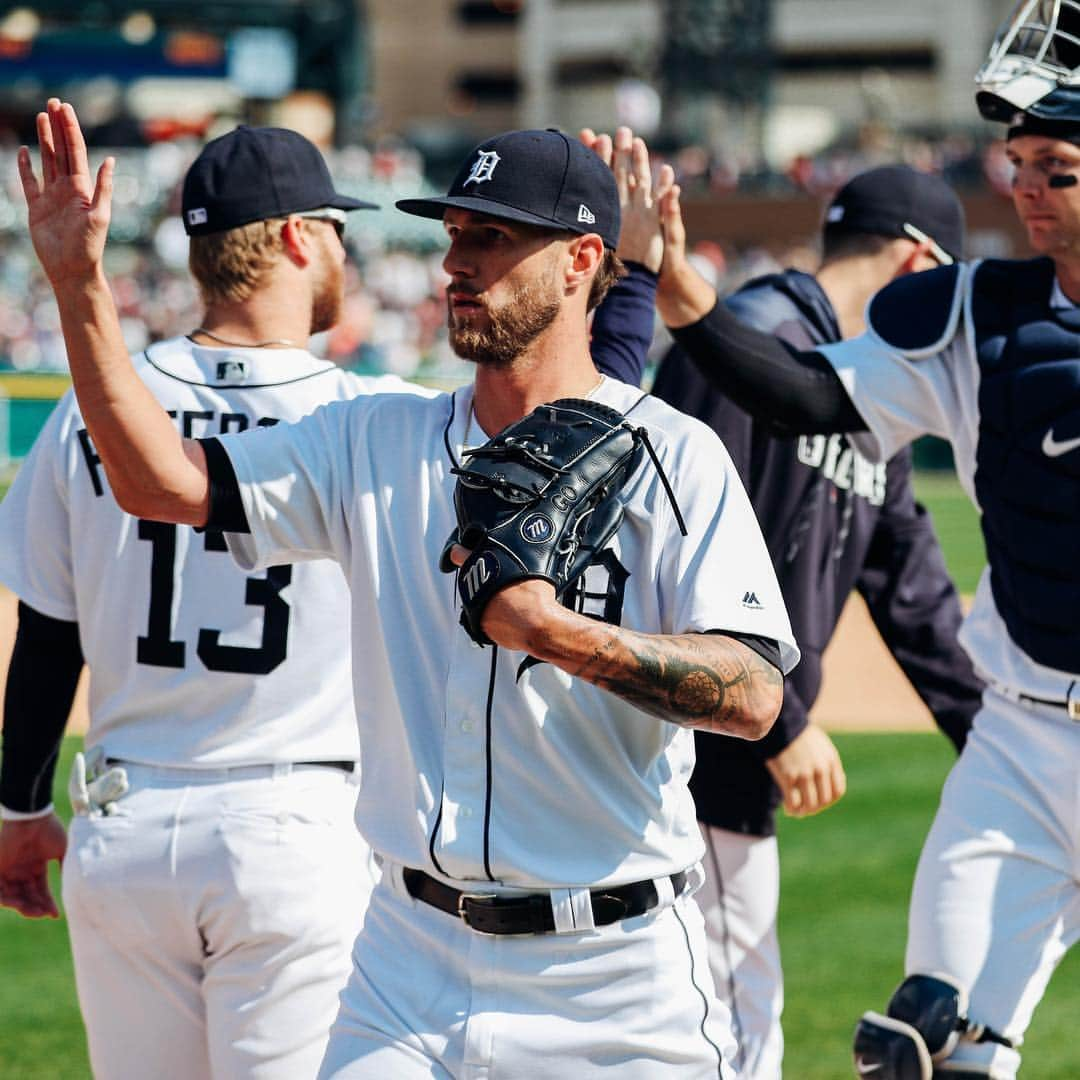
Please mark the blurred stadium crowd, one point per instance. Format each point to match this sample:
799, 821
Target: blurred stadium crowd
395, 314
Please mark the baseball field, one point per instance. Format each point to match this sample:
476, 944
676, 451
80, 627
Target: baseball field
846, 873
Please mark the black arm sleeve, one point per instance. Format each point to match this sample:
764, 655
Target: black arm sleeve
44, 671
622, 328
767, 648
226, 507
915, 608
791, 390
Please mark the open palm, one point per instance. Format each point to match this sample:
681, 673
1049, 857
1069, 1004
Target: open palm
68, 215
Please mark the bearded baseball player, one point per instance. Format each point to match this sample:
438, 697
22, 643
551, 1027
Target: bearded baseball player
214, 880
986, 356
527, 789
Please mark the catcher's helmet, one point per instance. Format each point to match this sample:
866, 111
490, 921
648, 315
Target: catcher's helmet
1034, 64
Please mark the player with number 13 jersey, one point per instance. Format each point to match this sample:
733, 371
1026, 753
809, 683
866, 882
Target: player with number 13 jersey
188, 656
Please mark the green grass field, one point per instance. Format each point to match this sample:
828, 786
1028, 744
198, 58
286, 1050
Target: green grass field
846, 878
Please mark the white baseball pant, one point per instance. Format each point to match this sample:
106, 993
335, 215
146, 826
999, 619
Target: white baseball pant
996, 901
739, 901
430, 998
212, 918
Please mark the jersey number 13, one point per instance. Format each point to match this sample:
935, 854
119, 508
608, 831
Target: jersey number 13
158, 647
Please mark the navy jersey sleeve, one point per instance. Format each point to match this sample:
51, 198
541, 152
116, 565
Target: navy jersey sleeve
914, 605
622, 328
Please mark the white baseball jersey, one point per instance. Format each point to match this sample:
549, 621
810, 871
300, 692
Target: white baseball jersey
188, 659
538, 781
900, 399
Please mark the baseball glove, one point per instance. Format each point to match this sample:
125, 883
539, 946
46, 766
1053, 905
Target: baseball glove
540, 500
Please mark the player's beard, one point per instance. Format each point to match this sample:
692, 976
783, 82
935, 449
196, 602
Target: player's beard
328, 296
509, 329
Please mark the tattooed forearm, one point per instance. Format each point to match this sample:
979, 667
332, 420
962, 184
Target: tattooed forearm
705, 681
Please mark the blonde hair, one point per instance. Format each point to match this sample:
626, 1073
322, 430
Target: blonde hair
229, 266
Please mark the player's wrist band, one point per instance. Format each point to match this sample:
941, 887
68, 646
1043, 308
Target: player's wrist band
7, 814
487, 913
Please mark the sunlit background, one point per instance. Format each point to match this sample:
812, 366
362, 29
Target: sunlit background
763, 107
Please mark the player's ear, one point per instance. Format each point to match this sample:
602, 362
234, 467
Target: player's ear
586, 253
295, 240
914, 256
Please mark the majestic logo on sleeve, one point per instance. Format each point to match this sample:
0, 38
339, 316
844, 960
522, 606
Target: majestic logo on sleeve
483, 167
750, 600
1052, 448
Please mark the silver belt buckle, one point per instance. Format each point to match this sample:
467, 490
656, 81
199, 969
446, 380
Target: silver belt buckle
1072, 703
462, 911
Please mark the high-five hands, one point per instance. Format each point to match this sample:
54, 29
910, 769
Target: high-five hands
641, 239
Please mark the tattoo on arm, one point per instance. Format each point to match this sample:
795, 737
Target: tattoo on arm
704, 681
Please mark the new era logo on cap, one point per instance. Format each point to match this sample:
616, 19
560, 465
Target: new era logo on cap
538, 177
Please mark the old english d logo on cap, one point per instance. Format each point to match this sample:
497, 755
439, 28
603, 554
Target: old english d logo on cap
537, 177
483, 167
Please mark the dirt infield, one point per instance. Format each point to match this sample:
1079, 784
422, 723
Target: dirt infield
863, 689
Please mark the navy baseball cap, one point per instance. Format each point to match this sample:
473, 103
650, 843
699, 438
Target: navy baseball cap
538, 177
254, 173
897, 200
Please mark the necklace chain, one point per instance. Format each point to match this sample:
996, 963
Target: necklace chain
240, 344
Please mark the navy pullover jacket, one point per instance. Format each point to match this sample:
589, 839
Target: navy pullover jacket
833, 522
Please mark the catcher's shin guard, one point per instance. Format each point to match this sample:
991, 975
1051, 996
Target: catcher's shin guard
927, 1017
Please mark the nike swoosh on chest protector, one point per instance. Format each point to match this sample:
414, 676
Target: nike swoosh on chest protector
1052, 448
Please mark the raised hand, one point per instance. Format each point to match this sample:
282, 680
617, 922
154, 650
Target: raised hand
68, 215
641, 238
683, 296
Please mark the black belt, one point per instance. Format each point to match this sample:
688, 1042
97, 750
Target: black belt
488, 913
344, 766
1071, 705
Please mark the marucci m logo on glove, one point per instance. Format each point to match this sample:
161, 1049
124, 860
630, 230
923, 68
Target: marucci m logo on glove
537, 528
477, 574
541, 500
